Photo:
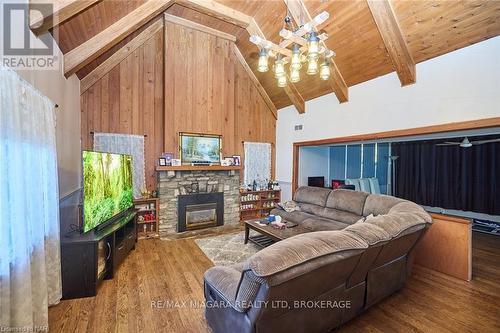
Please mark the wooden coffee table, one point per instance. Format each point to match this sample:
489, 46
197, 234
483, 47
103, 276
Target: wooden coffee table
268, 234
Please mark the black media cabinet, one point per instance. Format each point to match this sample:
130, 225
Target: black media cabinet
88, 259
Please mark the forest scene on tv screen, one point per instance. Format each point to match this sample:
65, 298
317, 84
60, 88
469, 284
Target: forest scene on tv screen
200, 148
107, 186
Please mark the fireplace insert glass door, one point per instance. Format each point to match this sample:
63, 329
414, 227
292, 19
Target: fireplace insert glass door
200, 210
201, 216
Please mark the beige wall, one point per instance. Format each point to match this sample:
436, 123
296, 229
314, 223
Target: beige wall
65, 93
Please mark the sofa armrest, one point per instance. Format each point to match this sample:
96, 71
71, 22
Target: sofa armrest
224, 281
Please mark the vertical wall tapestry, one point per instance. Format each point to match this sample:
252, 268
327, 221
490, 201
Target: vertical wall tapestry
257, 162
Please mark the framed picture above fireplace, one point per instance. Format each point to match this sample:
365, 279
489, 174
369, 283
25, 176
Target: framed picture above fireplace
200, 148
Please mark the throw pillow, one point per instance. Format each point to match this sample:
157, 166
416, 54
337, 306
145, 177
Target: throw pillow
365, 218
289, 206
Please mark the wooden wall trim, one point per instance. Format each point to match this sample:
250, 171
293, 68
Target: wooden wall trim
119, 55
443, 128
62, 11
394, 42
86, 52
295, 169
196, 26
451, 218
256, 82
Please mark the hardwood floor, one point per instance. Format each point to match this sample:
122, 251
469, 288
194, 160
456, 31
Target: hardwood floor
172, 271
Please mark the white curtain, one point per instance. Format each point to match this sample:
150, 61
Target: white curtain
125, 144
30, 265
257, 162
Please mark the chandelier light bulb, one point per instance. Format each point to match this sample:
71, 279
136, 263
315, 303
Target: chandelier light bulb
263, 65
313, 45
295, 63
294, 75
279, 67
312, 66
282, 81
324, 70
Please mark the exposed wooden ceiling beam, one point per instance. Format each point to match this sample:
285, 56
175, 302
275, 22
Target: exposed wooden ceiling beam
295, 96
200, 27
256, 82
389, 29
300, 14
220, 11
41, 21
83, 54
117, 57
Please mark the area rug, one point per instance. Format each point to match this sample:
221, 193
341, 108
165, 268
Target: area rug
227, 249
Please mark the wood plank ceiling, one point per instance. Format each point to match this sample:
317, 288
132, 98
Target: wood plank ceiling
429, 28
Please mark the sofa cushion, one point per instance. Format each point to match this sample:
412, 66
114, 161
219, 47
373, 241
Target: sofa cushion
347, 200
310, 208
379, 204
396, 224
319, 224
225, 281
233, 284
300, 249
312, 195
338, 215
296, 217
370, 233
411, 207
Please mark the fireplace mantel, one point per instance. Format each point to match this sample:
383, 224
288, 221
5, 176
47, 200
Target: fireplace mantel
198, 168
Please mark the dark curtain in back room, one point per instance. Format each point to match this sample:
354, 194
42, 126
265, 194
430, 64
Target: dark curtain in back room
449, 177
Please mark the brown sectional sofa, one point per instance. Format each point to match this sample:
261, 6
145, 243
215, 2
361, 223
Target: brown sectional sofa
317, 281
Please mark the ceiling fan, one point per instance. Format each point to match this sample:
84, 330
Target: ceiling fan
465, 143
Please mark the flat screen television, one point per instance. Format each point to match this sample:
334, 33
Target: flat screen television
316, 181
107, 187
200, 148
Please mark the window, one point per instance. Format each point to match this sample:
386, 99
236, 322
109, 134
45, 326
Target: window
370, 160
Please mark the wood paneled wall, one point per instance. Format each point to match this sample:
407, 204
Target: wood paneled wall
253, 120
199, 86
206, 90
129, 100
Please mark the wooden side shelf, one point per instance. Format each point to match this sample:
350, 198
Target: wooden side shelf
257, 204
147, 208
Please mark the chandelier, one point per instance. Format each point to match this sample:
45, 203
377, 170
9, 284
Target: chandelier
298, 46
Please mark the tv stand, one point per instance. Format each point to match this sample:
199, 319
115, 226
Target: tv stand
88, 259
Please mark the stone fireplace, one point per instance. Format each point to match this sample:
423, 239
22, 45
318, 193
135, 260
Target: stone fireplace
191, 200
